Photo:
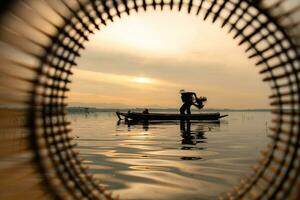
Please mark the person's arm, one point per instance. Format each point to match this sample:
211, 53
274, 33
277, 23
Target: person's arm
195, 95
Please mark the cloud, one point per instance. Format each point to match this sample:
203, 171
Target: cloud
201, 58
135, 82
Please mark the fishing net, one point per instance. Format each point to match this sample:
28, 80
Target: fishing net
40, 41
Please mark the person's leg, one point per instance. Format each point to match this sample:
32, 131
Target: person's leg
188, 109
183, 108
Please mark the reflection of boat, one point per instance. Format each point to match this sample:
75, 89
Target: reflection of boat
169, 116
192, 133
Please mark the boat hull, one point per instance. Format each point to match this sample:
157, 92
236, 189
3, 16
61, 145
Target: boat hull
169, 116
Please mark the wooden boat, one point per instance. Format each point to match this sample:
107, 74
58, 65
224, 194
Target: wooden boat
135, 116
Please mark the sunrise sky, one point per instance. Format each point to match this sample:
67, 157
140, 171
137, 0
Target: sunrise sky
144, 59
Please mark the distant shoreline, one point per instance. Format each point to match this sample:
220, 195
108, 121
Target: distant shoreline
81, 109
95, 109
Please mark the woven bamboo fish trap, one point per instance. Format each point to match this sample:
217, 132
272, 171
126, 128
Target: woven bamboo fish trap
40, 41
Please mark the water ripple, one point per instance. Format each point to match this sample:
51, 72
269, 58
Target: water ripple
169, 160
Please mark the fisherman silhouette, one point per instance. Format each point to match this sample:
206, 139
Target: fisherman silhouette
189, 99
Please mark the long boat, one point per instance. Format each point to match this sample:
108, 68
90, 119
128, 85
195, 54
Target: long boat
136, 116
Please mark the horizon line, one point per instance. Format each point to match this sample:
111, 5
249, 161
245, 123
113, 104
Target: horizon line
161, 108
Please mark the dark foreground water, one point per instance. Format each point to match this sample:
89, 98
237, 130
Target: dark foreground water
170, 160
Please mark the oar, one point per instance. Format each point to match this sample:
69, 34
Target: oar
221, 116
119, 116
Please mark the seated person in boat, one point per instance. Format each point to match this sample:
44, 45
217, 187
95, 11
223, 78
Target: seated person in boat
189, 99
146, 111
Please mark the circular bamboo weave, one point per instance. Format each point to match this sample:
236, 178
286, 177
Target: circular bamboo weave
40, 41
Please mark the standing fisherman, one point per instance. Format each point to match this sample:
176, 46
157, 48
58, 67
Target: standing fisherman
189, 99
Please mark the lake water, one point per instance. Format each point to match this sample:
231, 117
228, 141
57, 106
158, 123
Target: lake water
170, 160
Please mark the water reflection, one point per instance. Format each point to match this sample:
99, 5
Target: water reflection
192, 133
156, 160
190, 138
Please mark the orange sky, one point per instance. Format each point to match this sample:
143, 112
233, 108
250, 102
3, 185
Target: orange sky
144, 59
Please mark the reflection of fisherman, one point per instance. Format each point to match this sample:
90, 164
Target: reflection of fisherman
189, 99
190, 137
145, 121
187, 137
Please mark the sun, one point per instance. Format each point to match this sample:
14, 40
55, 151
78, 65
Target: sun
142, 80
